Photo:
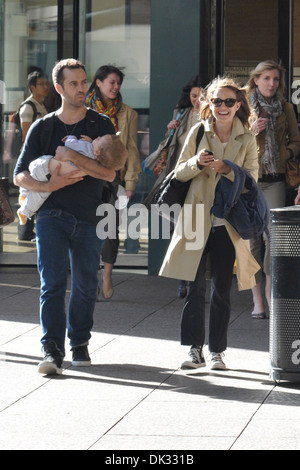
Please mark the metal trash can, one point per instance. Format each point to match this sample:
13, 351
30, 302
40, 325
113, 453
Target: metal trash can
285, 294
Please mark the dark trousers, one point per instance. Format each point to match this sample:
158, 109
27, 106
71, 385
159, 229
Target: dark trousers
222, 256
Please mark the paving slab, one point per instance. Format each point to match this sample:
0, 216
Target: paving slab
135, 396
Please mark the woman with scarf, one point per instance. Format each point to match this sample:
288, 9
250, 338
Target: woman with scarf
104, 96
278, 139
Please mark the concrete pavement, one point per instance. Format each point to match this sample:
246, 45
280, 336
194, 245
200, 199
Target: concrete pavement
135, 397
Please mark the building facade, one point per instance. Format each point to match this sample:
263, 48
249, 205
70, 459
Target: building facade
159, 45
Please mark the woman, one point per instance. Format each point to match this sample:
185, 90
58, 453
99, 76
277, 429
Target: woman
225, 113
278, 139
185, 116
104, 96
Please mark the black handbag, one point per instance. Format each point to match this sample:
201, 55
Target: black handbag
172, 191
6, 213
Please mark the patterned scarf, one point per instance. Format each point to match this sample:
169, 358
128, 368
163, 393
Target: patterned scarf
269, 162
113, 106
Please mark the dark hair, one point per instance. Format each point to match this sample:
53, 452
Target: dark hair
184, 100
32, 78
58, 70
101, 74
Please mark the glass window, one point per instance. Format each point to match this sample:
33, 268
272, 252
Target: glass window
117, 32
254, 44
29, 43
110, 32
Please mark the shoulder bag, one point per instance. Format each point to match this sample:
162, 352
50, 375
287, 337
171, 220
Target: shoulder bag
292, 172
157, 160
172, 191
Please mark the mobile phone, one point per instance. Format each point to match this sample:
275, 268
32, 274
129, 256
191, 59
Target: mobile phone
208, 151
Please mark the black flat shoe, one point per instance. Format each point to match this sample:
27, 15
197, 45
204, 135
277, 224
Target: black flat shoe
259, 316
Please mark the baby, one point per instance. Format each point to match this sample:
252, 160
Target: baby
107, 150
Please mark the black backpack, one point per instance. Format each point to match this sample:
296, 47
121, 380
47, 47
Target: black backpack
15, 119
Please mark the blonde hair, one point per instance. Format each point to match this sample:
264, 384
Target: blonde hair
261, 68
243, 113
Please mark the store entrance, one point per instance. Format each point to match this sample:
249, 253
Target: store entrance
37, 33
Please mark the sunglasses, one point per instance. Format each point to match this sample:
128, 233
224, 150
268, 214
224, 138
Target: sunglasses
229, 102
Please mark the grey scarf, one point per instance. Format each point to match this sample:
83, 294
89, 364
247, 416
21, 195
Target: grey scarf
269, 162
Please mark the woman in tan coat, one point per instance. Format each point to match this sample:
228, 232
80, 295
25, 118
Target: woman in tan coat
278, 139
104, 96
225, 113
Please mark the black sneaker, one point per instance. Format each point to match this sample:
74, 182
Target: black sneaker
80, 356
53, 359
196, 359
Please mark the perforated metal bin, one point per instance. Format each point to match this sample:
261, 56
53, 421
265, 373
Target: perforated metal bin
285, 294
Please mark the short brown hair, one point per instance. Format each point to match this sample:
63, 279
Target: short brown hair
58, 70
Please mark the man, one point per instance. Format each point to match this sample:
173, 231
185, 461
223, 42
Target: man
66, 223
39, 88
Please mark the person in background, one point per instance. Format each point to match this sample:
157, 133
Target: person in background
225, 113
39, 88
38, 85
185, 116
104, 96
278, 139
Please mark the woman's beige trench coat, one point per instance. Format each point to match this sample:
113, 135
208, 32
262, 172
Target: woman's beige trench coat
183, 256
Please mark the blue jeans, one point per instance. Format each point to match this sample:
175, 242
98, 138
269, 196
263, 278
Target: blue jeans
62, 242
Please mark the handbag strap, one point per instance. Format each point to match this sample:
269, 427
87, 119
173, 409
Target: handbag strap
199, 136
173, 130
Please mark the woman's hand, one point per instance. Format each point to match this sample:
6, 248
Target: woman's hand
297, 200
205, 158
220, 167
129, 193
260, 125
173, 124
